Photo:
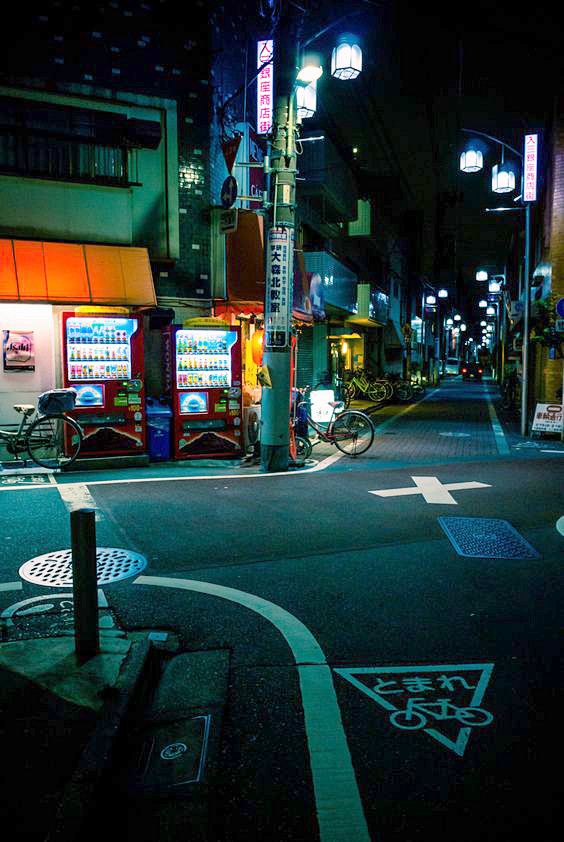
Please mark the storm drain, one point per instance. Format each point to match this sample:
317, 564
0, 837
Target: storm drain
54, 570
483, 537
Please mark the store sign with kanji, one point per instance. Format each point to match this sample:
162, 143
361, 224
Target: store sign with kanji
278, 299
548, 418
265, 86
530, 161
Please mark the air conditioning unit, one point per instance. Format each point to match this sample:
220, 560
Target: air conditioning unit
251, 425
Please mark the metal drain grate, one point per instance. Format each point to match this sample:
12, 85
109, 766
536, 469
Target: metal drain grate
482, 537
54, 570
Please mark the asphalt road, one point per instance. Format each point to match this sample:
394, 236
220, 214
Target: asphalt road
446, 667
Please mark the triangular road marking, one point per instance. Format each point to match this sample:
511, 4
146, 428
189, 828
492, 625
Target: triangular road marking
420, 697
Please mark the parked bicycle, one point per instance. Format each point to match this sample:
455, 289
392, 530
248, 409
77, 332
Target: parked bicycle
361, 385
46, 433
350, 430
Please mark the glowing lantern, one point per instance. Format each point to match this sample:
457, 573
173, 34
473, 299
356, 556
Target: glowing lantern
257, 343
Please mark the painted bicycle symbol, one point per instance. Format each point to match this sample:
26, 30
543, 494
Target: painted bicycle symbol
418, 710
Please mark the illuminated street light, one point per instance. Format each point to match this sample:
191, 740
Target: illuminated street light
306, 100
483, 303
311, 69
442, 293
463, 327
490, 311
430, 300
346, 59
483, 324
472, 159
457, 317
481, 275
503, 178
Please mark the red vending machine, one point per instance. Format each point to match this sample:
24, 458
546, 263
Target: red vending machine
103, 360
203, 375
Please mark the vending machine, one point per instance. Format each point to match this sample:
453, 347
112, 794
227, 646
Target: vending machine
103, 360
203, 375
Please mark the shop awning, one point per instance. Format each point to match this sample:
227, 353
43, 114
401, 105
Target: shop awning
71, 273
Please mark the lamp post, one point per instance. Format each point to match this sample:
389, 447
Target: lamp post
279, 246
502, 182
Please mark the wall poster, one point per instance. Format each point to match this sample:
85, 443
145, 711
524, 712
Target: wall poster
18, 350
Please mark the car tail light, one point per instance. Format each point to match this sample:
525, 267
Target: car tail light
463, 371
479, 371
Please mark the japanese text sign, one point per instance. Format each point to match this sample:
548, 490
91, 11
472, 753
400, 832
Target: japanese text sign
278, 296
530, 164
265, 86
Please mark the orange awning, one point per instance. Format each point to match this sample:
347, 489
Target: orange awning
70, 273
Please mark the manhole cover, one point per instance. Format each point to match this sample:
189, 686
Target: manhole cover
486, 538
54, 570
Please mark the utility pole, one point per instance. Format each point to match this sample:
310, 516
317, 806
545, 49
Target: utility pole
279, 249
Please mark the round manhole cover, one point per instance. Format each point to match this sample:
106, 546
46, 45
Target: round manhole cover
54, 570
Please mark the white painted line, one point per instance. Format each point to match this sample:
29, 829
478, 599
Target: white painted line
432, 490
10, 586
339, 808
329, 460
497, 429
77, 496
543, 450
560, 525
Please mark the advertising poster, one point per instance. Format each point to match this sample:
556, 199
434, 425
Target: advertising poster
18, 350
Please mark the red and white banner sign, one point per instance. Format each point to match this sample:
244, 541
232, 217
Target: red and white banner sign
265, 86
530, 166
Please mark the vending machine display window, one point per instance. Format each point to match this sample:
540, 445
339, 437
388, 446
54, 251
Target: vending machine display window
99, 348
193, 403
91, 394
203, 358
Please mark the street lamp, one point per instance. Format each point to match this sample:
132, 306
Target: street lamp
503, 180
346, 59
481, 275
483, 303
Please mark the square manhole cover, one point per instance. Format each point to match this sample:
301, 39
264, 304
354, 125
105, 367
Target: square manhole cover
483, 537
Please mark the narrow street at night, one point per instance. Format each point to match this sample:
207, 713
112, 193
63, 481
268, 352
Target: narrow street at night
445, 658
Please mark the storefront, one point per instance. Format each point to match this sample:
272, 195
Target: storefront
41, 281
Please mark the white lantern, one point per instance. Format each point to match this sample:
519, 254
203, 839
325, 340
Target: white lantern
490, 311
471, 160
503, 178
346, 60
463, 327
481, 275
457, 318
494, 286
306, 99
449, 322
431, 300
311, 69
483, 303
442, 293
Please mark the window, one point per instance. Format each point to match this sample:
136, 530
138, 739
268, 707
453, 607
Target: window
50, 141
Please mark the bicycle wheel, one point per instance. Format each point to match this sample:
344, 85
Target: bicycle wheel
377, 393
352, 431
404, 392
53, 441
303, 448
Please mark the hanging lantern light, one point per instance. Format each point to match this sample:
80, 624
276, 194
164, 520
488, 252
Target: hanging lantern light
310, 70
443, 293
483, 303
430, 300
257, 343
490, 311
471, 160
494, 286
306, 99
346, 59
481, 275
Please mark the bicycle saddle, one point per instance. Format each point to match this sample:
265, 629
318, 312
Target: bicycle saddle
26, 408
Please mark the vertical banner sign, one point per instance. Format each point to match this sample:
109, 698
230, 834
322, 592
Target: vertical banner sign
530, 162
278, 297
265, 86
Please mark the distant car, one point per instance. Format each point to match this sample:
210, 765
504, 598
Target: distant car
472, 371
452, 366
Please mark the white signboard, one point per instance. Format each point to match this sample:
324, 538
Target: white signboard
320, 400
265, 86
278, 297
530, 158
548, 418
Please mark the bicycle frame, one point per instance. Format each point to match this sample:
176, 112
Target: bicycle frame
17, 438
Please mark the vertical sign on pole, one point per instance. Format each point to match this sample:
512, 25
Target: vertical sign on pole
530, 163
278, 297
265, 86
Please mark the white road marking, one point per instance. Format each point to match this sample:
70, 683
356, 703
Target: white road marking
77, 496
499, 435
561, 452
432, 490
339, 808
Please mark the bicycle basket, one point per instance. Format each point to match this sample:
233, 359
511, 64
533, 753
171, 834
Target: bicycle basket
56, 401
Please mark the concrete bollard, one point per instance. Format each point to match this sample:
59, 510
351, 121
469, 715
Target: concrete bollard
84, 583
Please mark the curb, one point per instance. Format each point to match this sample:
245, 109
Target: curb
79, 797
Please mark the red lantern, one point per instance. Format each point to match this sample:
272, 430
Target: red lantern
257, 346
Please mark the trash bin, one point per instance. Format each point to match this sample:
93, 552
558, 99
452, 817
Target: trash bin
159, 422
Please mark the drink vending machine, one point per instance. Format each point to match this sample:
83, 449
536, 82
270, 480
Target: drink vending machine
203, 377
103, 360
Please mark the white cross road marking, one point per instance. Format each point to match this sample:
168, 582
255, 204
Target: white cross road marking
432, 490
